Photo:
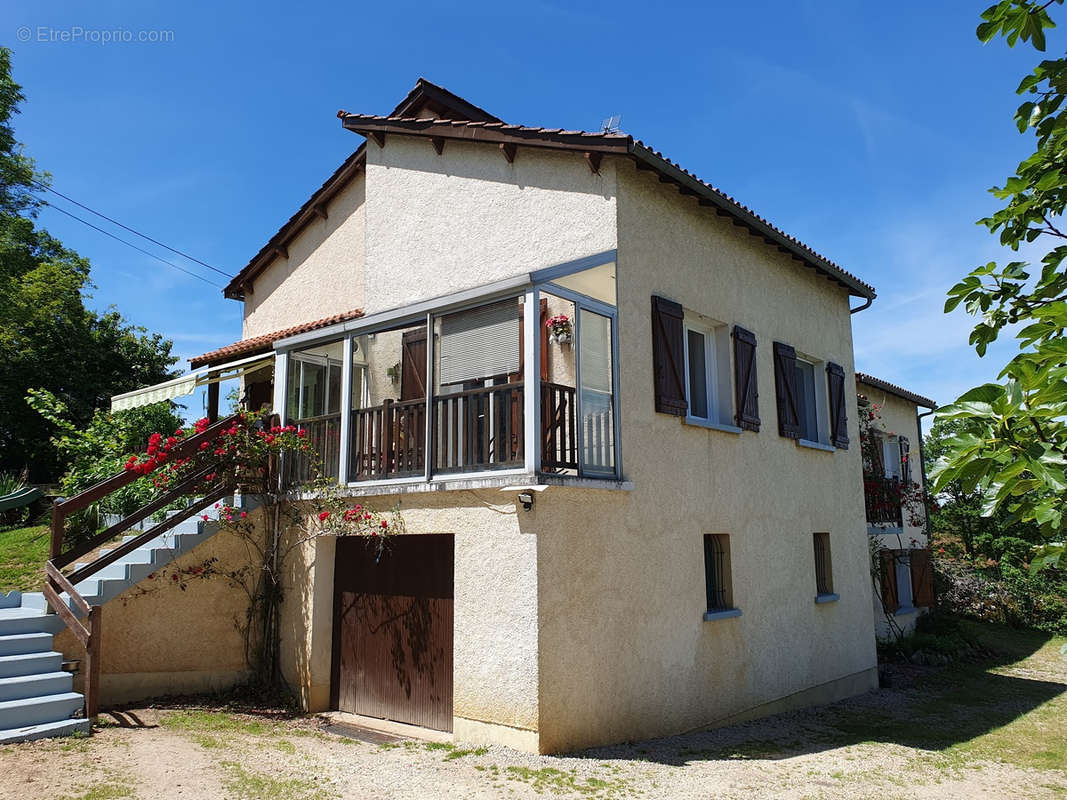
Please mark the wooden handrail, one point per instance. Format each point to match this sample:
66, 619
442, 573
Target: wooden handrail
111, 556
145, 511
63, 508
89, 634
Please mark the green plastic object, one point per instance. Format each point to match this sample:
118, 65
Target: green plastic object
23, 497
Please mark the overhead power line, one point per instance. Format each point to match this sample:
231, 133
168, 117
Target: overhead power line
135, 247
132, 230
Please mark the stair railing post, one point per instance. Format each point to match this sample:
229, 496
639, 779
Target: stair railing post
92, 665
58, 520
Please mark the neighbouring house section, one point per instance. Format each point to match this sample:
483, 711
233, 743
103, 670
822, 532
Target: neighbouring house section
894, 482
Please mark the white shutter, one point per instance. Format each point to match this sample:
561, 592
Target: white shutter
479, 343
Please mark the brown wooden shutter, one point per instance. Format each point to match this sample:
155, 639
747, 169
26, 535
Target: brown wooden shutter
785, 386
543, 318
668, 352
747, 395
889, 580
905, 451
835, 377
413, 365
922, 579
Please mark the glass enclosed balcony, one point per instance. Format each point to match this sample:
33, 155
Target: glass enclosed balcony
451, 392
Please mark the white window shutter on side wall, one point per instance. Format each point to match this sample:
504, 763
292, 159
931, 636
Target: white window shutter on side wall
480, 343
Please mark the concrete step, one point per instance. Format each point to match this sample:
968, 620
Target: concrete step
29, 664
35, 710
17, 687
44, 730
27, 620
17, 643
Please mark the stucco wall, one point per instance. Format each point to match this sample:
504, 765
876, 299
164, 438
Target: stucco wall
442, 223
323, 273
625, 652
495, 607
161, 640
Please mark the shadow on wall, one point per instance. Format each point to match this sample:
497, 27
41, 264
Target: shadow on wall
941, 708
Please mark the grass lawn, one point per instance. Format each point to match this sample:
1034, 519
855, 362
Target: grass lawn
23, 552
968, 731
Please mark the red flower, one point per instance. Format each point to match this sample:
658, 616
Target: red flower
324, 516
385, 524
244, 514
205, 517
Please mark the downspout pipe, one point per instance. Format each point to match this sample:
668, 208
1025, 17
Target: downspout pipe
922, 466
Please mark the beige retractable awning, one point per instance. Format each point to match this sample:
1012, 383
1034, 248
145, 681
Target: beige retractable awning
187, 384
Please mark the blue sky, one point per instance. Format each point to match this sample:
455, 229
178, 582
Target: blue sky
869, 131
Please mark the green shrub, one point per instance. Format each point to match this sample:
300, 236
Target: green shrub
99, 450
1003, 592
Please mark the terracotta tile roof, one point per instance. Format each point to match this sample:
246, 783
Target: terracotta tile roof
258, 344
612, 143
893, 389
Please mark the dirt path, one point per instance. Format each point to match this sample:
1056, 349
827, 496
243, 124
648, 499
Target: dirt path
994, 732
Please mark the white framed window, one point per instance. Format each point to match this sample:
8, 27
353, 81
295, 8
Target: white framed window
891, 456
812, 403
707, 371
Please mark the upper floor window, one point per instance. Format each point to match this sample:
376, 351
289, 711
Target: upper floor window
807, 400
707, 363
811, 405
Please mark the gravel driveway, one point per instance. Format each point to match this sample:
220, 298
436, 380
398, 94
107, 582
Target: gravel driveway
992, 731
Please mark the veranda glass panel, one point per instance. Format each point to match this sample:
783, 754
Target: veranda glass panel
388, 426
478, 388
597, 406
314, 404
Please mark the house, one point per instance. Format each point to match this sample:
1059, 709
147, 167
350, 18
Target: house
616, 408
894, 480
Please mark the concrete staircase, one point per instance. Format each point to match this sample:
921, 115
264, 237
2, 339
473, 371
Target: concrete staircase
36, 696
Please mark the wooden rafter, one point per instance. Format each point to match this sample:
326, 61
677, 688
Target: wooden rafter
593, 160
438, 143
377, 136
509, 149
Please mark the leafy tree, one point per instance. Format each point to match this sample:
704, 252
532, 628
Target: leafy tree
1011, 446
48, 338
101, 448
956, 520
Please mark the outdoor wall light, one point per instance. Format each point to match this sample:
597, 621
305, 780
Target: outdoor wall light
526, 498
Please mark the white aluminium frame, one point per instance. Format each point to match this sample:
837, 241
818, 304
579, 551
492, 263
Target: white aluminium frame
711, 374
530, 288
586, 303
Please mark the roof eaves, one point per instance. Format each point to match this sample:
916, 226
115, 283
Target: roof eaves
235, 289
611, 143
745, 216
265, 341
898, 391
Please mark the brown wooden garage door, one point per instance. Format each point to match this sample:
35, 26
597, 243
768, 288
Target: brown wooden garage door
392, 643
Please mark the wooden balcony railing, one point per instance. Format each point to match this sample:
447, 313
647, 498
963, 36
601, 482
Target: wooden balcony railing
479, 429
559, 431
388, 441
324, 433
882, 498
472, 431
